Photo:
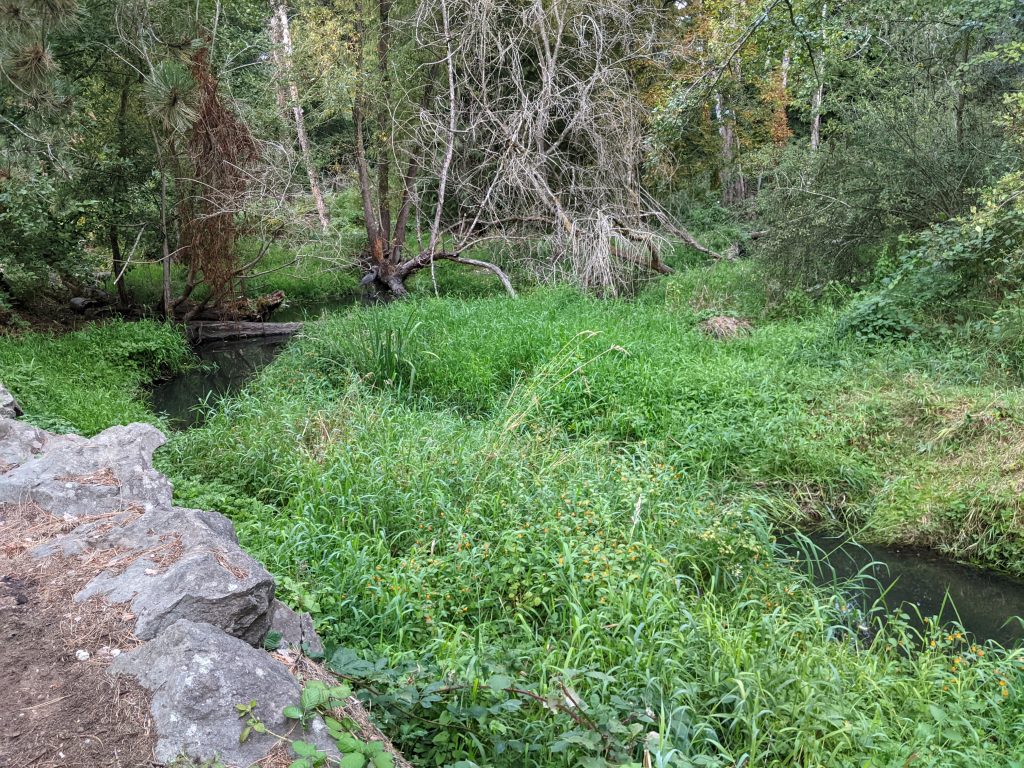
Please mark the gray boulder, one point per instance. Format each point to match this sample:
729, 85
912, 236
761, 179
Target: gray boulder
73, 477
9, 408
197, 675
296, 630
19, 442
182, 567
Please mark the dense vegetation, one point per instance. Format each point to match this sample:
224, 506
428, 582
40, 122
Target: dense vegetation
769, 260
594, 504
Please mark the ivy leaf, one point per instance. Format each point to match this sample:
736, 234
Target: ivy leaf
353, 760
499, 683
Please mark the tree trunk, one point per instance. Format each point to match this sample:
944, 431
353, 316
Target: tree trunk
729, 176
166, 260
281, 27
117, 265
381, 264
435, 227
280, 86
383, 117
819, 92
816, 100
961, 97
166, 305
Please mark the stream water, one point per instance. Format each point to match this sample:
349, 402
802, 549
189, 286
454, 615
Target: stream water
929, 584
226, 366
924, 584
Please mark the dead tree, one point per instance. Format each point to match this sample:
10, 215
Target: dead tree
217, 181
524, 132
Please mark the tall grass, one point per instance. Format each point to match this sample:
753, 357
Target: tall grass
90, 379
553, 544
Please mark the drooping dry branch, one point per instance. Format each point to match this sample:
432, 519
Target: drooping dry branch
540, 137
522, 128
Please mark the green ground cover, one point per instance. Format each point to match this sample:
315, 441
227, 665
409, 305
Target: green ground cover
542, 532
489, 502
88, 380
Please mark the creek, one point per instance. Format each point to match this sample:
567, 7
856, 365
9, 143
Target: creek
226, 366
919, 582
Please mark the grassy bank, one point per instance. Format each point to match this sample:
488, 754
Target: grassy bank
302, 276
541, 531
91, 379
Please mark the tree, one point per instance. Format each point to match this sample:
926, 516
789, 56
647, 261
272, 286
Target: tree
516, 126
280, 37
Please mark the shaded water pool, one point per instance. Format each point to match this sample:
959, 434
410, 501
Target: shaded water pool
228, 365
926, 584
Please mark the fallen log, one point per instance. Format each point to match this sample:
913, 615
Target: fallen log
207, 330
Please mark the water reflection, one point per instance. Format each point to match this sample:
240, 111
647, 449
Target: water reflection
983, 601
226, 367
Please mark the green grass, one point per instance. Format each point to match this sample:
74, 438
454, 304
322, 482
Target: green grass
90, 379
576, 500
309, 279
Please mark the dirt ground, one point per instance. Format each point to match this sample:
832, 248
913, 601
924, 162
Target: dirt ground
58, 710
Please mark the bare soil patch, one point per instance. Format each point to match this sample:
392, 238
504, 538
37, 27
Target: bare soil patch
61, 711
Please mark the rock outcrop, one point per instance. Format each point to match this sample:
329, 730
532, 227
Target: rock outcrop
9, 408
203, 606
295, 630
197, 674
